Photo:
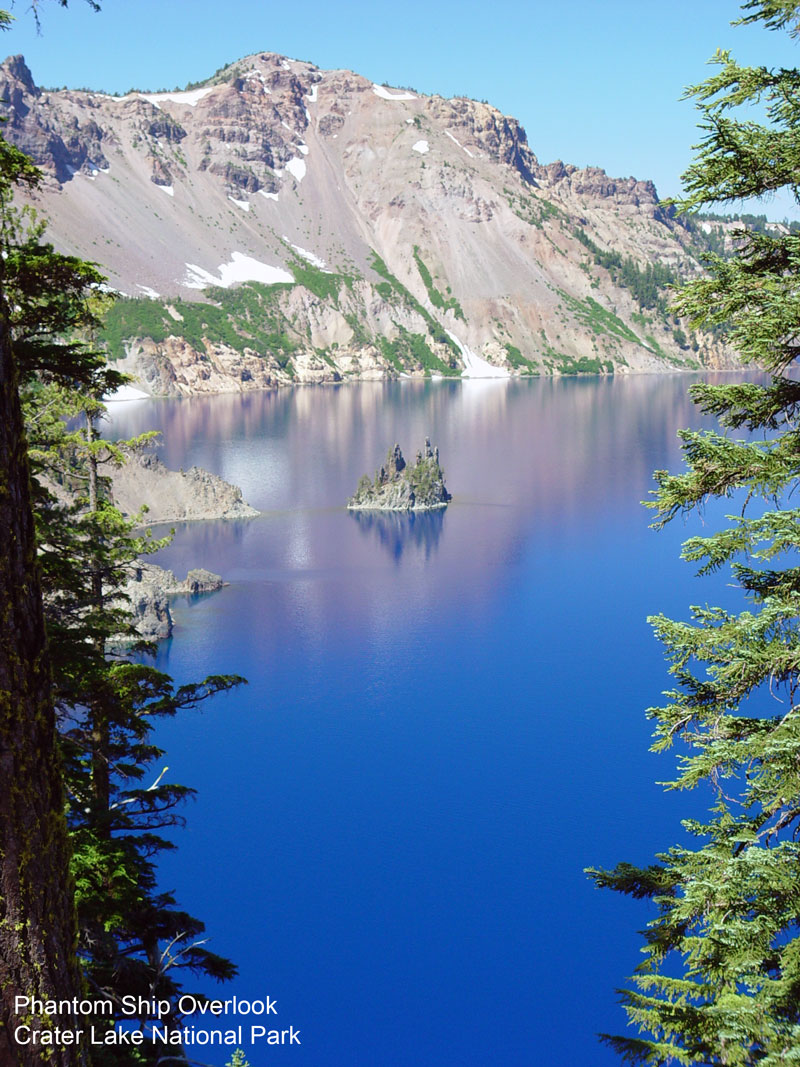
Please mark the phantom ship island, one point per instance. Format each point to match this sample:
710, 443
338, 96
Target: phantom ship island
399, 487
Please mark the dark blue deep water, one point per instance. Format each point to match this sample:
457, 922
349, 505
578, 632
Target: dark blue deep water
445, 721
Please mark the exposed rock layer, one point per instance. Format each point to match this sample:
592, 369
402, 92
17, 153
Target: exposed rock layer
391, 233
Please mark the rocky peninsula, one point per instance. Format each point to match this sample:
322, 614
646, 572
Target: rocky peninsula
150, 589
400, 487
175, 496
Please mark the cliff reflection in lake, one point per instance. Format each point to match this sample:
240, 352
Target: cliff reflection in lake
397, 531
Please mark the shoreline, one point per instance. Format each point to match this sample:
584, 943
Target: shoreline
426, 379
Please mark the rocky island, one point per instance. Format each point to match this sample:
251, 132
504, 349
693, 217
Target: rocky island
398, 487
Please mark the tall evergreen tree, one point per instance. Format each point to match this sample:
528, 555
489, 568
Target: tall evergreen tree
720, 980
131, 937
37, 926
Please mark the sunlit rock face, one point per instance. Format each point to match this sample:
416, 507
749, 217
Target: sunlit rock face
344, 230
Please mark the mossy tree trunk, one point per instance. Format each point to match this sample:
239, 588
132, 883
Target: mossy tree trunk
37, 926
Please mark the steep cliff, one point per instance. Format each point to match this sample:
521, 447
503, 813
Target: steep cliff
282, 223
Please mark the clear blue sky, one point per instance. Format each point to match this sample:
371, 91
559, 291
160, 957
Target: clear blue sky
593, 81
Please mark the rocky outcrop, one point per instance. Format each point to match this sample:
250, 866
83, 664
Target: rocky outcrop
62, 145
398, 487
149, 590
175, 496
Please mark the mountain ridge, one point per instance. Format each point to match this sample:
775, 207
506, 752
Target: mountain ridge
282, 223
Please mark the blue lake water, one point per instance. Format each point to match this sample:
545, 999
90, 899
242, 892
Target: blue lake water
445, 721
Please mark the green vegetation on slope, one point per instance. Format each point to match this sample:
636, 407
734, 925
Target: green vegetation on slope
647, 286
534, 210
250, 317
599, 319
245, 317
436, 298
518, 361
411, 350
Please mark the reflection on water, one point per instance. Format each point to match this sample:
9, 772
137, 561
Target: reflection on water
545, 459
436, 702
501, 441
399, 530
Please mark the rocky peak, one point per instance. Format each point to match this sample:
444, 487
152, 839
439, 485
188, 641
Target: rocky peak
483, 127
398, 233
16, 81
252, 125
59, 147
394, 463
429, 453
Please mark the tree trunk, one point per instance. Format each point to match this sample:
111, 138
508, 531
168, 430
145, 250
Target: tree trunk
37, 925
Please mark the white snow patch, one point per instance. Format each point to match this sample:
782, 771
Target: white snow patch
191, 97
308, 256
257, 74
384, 94
244, 268
460, 145
125, 392
166, 189
312, 96
474, 366
285, 65
243, 204
148, 291
302, 148
241, 268
409, 122
308, 114
421, 146
286, 126
297, 167
198, 278
269, 196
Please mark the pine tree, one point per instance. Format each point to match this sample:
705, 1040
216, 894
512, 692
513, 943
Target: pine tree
37, 927
720, 980
132, 939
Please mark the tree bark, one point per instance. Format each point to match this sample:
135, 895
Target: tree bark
37, 925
